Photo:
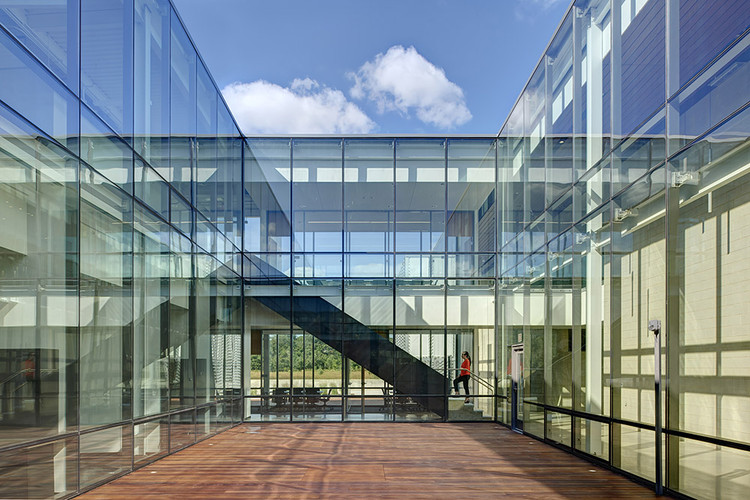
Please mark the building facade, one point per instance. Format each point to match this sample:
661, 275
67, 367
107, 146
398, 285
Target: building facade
163, 277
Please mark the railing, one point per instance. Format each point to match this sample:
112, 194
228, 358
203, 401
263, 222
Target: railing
479, 379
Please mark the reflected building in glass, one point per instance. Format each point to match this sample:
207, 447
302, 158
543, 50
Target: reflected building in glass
163, 277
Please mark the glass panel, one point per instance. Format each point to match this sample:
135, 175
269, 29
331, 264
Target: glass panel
717, 93
205, 297
183, 112
181, 369
508, 327
368, 265
151, 314
559, 333
420, 266
268, 315
106, 316
181, 215
471, 195
368, 195
420, 334
592, 94
204, 425
536, 236
638, 294
593, 188
221, 416
181, 430
317, 192
477, 410
560, 215
533, 307
640, 152
471, 265
105, 454
36, 95
269, 265
703, 470
590, 312
370, 408
592, 437
268, 195
48, 470
152, 189
408, 409
317, 348
421, 306
105, 151
503, 411
151, 79
151, 441
205, 170
278, 351
420, 195
38, 285
534, 134
559, 428
227, 211
368, 305
533, 420
229, 322
638, 62
471, 329
559, 95
511, 175
709, 212
633, 450
107, 61
49, 31
699, 31
313, 265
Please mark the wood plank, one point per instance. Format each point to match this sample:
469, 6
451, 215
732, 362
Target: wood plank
371, 460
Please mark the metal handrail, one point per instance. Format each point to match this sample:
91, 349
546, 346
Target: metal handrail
12, 376
43, 371
477, 378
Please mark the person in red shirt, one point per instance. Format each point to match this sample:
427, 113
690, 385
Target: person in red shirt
464, 375
29, 367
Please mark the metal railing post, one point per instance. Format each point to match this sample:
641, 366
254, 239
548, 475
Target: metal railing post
655, 326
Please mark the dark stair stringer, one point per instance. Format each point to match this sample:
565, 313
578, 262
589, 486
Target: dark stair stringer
407, 374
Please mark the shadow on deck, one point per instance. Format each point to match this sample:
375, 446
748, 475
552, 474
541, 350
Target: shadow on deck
371, 460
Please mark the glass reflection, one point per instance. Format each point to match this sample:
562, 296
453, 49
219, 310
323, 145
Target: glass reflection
420, 195
107, 61
38, 285
106, 295
368, 195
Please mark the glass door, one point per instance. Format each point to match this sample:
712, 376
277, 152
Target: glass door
516, 374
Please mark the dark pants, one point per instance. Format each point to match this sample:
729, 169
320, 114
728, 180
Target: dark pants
465, 380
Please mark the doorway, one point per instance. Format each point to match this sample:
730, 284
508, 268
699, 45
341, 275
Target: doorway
516, 393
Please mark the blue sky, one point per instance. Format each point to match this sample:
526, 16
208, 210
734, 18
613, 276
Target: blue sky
389, 67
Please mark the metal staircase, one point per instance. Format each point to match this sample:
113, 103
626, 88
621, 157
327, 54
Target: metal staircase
407, 374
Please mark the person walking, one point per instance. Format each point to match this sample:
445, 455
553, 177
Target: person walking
464, 375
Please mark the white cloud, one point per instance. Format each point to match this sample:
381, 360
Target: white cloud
403, 80
305, 107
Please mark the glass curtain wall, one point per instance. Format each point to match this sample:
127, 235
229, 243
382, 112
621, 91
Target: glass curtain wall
359, 225
635, 122
162, 276
120, 296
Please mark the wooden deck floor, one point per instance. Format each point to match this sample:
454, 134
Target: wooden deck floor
371, 460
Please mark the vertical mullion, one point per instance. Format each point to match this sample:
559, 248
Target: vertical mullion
446, 406
290, 333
